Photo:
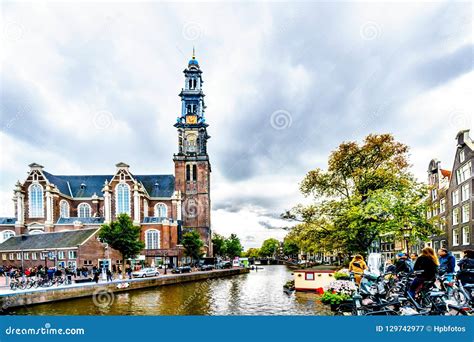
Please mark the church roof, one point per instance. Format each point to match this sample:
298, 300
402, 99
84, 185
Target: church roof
88, 185
85, 220
66, 239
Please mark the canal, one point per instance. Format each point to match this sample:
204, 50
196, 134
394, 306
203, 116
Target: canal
256, 293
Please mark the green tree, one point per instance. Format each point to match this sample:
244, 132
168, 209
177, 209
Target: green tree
366, 192
290, 247
269, 247
123, 236
192, 244
218, 245
233, 247
252, 253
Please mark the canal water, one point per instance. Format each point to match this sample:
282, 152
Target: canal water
256, 293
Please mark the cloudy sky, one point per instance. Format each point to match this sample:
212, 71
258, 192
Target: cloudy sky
88, 85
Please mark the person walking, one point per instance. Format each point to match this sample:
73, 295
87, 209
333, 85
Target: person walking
109, 275
428, 263
95, 272
358, 266
129, 272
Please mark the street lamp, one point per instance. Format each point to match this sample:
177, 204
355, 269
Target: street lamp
406, 234
165, 254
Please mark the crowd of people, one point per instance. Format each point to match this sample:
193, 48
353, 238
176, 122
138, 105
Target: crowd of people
87, 273
430, 265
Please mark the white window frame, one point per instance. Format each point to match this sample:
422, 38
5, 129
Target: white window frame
70, 254
83, 204
34, 256
10, 233
466, 235
126, 208
465, 213
26, 256
156, 210
64, 209
61, 255
455, 197
18, 256
35, 211
158, 237
464, 172
456, 218
442, 205
456, 237
465, 192
462, 156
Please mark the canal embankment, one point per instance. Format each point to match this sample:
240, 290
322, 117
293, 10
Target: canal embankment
11, 299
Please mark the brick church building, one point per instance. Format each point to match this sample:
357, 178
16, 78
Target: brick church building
48, 207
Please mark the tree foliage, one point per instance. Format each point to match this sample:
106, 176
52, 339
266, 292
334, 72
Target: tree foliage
123, 236
366, 192
192, 244
269, 247
233, 247
218, 245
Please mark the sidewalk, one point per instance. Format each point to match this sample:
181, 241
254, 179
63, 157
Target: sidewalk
6, 291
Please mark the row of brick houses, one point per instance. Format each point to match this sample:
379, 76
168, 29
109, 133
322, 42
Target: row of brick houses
450, 201
164, 206
451, 197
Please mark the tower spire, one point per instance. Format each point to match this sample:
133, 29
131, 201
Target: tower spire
194, 53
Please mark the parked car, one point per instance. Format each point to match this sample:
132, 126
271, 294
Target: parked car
206, 267
181, 269
224, 264
146, 272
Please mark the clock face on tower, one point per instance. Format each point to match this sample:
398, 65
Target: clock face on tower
191, 119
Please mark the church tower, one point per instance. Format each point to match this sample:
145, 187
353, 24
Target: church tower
192, 167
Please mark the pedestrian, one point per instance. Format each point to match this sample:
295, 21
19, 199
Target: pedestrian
95, 272
402, 265
389, 266
428, 263
358, 266
109, 275
129, 272
447, 262
119, 272
466, 267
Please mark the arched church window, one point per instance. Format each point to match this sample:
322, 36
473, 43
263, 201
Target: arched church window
84, 210
152, 239
63, 208
36, 203
123, 198
161, 210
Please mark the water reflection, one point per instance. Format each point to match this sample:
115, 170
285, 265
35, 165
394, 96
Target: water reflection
257, 293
